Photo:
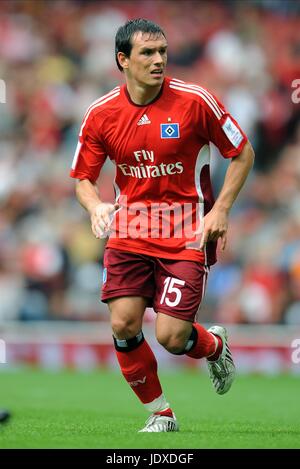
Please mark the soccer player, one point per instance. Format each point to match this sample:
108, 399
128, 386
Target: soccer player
165, 224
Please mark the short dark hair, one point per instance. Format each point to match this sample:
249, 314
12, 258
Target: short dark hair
124, 35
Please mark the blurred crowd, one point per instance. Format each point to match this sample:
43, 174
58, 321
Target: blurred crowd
56, 58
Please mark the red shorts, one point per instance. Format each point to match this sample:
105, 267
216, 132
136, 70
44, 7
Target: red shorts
173, 287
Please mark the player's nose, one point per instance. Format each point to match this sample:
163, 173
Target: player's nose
158, 59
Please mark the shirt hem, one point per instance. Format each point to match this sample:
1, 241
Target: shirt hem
183, 255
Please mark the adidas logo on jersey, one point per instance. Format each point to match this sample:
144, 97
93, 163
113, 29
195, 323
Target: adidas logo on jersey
144, 120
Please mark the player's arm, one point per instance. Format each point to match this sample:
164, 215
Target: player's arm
88, 160
100, 212
216, 221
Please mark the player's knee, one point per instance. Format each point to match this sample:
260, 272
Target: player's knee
172, 343
124, 328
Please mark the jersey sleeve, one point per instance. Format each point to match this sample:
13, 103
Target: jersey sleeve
90, 154
220, 128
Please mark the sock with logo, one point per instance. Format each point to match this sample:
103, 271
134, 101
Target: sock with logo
203, 344
139, 367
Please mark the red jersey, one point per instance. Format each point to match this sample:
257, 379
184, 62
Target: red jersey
161, 154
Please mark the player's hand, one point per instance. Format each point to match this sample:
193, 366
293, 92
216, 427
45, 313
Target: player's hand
214, 226
102, 217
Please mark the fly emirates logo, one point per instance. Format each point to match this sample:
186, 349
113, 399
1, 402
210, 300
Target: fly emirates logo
146, 169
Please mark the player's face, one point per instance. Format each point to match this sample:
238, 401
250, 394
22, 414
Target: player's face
148, 59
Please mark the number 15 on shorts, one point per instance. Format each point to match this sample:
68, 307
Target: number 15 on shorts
171, 288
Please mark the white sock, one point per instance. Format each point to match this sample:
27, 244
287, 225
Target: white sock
158, 405
217, 344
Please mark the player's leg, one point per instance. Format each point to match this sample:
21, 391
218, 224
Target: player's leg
180, 288
130, 274
180, 336
135, 357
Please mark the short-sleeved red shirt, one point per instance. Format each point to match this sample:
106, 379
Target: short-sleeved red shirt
161, 154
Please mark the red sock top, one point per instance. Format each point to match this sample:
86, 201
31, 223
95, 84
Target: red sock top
166, 413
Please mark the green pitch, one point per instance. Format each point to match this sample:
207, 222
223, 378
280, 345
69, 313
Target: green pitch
98, 410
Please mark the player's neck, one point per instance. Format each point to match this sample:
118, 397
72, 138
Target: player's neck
142, 95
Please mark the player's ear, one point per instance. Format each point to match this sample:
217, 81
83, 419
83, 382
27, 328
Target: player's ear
123, 60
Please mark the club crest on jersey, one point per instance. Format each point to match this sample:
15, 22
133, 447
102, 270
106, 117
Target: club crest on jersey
169, 130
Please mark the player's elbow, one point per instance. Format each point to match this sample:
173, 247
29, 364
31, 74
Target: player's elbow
82, 185
79, 187
245, 160
248, 154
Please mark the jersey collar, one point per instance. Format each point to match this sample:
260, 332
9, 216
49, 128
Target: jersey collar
143, 105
